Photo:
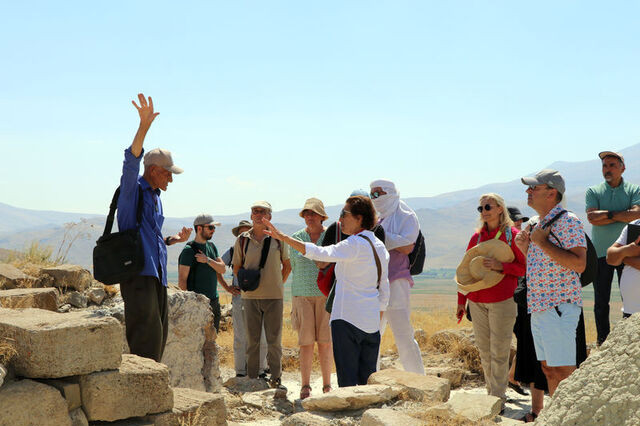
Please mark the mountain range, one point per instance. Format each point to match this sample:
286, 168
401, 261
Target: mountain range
447, 220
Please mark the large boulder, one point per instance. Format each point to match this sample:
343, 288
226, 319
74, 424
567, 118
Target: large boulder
194, 408
40, 298
605, 389
31, 403
388, 417
69, 276
416, 386
139, 387
350, 398
191, 352
472, 406
12, 277
52, 345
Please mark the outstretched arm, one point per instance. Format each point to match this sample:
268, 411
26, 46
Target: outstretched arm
145, 111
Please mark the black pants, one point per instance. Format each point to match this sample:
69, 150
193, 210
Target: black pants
215, 307
602, 295
145, 316
354, 352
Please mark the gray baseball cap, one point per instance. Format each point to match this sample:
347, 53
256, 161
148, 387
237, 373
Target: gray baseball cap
205, 219
161, 157
549, 177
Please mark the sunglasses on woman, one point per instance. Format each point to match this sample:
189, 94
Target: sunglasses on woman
343, 213
487, 207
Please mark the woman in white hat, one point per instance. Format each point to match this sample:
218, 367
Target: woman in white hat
308, 315
494, 273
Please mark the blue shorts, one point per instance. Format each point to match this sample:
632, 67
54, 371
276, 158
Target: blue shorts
554, 334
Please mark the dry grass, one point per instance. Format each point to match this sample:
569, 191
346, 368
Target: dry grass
7, 350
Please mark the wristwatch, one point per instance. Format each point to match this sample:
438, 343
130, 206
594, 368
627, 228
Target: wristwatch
609, 215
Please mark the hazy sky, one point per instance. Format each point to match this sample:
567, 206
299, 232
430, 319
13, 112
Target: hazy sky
287, 100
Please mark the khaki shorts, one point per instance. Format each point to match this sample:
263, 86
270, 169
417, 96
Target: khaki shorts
310, 319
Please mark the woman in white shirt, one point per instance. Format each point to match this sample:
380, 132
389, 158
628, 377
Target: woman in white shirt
361, 292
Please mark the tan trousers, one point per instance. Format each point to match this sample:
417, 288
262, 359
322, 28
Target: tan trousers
493, 329
267, 313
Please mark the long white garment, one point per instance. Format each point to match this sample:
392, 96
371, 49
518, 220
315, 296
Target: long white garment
400, 222
357, 300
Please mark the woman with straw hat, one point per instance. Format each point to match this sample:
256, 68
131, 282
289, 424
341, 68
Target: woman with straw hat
487, 278
308, 315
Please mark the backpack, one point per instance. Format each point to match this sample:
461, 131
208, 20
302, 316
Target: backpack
591, 269
418, 255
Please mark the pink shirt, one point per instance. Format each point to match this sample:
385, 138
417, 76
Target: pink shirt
548, 283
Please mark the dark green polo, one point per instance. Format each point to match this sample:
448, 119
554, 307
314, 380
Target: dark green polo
202, 278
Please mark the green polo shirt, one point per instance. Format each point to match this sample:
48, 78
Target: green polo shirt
202, 278
604, 197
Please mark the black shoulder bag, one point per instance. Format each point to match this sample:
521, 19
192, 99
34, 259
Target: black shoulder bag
119, 256
249, 279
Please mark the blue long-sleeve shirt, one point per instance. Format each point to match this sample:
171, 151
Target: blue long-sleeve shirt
153, 245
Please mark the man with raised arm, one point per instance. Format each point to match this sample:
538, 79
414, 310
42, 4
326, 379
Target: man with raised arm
610, 206
556, 252
145, 296
401, 228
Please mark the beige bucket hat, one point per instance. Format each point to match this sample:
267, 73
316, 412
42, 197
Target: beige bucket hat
471, 275
316, 206
242, 223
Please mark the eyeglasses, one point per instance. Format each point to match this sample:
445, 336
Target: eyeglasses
534, 187
258, 211
375, 195
343, 213
210, 227
487, 207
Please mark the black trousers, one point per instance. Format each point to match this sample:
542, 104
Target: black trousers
146, 316
215, 307
602, 295
354, 352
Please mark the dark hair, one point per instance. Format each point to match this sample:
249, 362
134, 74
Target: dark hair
363, 207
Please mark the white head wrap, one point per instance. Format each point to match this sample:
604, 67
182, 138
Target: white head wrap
400, 223
388, 203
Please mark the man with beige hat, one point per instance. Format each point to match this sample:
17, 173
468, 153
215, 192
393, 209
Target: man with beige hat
239, 327
266, 262
145, 296
610, 206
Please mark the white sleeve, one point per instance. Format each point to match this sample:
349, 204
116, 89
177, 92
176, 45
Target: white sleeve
407, 234
622, 239
345, 250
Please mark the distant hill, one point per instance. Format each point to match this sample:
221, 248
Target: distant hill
447, 220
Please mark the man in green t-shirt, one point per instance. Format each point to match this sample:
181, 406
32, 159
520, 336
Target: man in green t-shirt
610, 206
199, 265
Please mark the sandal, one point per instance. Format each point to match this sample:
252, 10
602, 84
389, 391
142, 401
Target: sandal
529, 417
326, 388
516, 387
305, 392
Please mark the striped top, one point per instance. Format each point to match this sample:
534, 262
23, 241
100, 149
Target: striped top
305, 271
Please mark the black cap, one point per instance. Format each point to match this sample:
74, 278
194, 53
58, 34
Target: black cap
515, 214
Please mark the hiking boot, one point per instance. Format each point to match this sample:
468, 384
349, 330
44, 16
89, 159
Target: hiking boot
276, 383
262, 376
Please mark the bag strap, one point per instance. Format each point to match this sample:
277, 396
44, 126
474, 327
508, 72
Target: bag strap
548, 224
338, 232
497, 236
265, 251
375, 255
114, 206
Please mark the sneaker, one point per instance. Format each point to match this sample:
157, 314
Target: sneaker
276, 383
262, 376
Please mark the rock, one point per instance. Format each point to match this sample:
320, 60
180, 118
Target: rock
77, 299
64, 308
350, 398
306, 418
70, 391
12, 277
138, 388
96, 295
245, 384
455, 375
194, 408
28, 402
69, 276
3, 373
52, 345
387, 417
78, 418
421, 337
417, 386
605, 389
472, 406
41, 298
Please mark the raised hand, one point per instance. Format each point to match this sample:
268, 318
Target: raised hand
271, 230
183, 235
522, 241
145, 110
540, 236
